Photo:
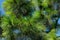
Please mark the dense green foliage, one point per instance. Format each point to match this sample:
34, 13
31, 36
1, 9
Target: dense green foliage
29, 19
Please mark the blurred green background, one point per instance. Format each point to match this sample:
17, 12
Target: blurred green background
29, 20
